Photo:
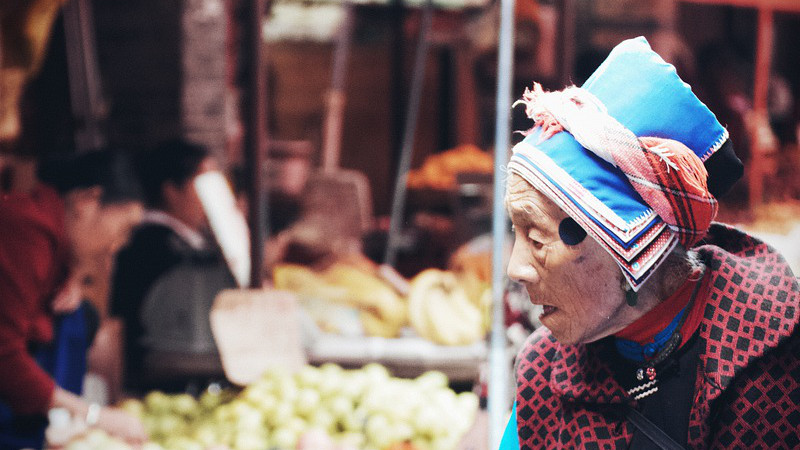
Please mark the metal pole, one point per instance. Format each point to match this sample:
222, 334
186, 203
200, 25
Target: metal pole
88, 105
336, 95
498, 362
398, 202
255, 135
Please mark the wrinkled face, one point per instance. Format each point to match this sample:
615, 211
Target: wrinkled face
580, 286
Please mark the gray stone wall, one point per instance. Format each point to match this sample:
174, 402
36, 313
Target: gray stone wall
203, 91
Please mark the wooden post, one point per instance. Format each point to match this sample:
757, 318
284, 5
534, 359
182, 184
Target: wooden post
465, 101
566, 41
255, 135
760, 91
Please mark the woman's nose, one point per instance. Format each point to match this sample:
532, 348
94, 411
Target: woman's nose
519, 267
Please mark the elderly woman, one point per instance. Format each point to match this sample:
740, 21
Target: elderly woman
661, 328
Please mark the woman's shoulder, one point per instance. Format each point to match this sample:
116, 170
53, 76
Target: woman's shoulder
752, 310
540, 347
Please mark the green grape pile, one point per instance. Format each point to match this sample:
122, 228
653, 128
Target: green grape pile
362, 409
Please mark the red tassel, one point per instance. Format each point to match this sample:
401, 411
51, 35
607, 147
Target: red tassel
691, 169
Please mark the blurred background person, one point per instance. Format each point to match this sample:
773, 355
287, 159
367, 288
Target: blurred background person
167, 277
47, 220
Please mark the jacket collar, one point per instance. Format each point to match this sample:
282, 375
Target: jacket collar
189, 235
580, 374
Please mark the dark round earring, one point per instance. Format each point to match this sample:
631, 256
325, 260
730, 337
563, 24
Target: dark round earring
570, 232
631, 297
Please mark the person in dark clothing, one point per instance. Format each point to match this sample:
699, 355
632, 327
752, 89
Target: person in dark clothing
166, 279
663, 329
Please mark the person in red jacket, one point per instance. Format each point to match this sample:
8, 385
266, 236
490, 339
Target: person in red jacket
39, 225
661, 329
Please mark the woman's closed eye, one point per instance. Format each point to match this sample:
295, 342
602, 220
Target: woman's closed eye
540, 239
536, 241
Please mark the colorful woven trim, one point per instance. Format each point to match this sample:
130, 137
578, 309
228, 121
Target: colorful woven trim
636, 352
638, 248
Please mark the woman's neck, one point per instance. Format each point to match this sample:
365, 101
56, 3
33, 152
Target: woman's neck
679, 313
657, 319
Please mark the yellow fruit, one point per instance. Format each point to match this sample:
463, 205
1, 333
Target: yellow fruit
157, 402
439, 309
485, 307
384, 312
133, 407
376, 326
305, 282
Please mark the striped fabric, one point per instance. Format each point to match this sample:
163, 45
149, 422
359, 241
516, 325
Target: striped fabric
664, 172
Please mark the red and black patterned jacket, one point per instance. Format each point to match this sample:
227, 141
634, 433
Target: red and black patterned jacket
748, 369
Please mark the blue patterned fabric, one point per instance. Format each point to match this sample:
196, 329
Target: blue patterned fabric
636, 352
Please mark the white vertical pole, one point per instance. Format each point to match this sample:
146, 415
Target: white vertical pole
498, 362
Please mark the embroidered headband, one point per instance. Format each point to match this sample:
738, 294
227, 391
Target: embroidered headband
665, 173
624, 157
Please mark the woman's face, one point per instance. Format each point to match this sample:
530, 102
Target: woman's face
95, 229
579, 286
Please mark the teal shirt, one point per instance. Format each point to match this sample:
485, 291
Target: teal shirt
510, 440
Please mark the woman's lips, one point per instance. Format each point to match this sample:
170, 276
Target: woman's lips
547, 310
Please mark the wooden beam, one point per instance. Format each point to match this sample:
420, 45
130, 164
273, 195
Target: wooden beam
775, 5
764, 42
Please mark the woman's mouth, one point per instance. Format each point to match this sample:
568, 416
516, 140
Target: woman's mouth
547, 310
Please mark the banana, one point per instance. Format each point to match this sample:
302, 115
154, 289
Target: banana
382, 311
307, 283
440, 310
376, 326
370, 294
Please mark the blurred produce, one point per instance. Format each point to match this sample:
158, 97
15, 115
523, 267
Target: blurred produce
325, 407
382, 312
473, 258
439, 171
441, 310
302, 22
446, 307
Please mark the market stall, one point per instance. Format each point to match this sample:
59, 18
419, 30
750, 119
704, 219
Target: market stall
369, 358
325, 344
